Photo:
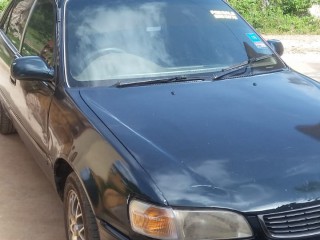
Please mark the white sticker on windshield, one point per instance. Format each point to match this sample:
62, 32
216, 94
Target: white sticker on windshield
260, 45
153, 29
224, 15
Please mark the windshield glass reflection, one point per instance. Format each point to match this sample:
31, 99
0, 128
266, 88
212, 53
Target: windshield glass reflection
134, 39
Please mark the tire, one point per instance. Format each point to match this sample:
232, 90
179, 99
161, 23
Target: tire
6, 126
83, 227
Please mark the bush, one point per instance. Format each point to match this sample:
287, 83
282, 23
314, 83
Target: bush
279, 16
3, 4
295, 7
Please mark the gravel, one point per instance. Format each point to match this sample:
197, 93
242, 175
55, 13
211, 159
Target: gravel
302, 53
299, 44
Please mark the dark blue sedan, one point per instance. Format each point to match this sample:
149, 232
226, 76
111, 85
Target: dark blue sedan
162, 119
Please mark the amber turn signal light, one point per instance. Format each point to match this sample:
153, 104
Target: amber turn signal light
152, 221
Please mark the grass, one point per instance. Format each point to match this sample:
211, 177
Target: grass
286, 24
277, 18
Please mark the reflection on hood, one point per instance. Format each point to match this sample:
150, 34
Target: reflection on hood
231, 144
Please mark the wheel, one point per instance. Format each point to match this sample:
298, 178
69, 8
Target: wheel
6, 126
80, 223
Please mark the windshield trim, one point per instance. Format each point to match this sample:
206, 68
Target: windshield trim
64, 39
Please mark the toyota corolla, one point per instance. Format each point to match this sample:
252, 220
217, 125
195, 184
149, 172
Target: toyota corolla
162, 119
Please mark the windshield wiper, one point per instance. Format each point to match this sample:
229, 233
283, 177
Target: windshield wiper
240, 68
234, 70
159, 81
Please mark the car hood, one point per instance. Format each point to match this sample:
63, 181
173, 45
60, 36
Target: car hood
248, 144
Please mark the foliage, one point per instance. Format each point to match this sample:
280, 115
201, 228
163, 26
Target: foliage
3, 4
279, 16
295, 7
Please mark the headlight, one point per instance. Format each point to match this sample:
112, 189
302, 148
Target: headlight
165, 223
212, 225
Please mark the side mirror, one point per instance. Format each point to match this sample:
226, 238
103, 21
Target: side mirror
277, 46
31, 68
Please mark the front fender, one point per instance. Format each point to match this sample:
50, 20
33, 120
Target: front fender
109, 173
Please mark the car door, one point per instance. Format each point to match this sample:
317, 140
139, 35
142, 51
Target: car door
30, 100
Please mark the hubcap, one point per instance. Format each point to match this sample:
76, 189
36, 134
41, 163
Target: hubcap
75, 217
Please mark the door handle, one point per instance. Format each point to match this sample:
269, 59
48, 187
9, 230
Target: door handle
13, 80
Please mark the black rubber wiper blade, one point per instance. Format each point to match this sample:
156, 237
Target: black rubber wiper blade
239, 68
159, 81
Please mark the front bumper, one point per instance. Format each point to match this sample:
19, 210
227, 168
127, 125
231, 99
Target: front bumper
108, 233
291, 222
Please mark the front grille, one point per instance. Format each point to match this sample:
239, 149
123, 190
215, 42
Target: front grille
296, 223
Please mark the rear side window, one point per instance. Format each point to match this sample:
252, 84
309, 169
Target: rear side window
6, 23
40, 32
18, 20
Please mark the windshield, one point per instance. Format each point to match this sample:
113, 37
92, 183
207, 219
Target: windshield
114, 41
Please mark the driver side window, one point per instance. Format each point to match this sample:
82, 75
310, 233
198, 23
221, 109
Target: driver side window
39, 37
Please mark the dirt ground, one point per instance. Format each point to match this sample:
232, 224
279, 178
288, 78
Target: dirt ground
302, 53
299, 44
30, 209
